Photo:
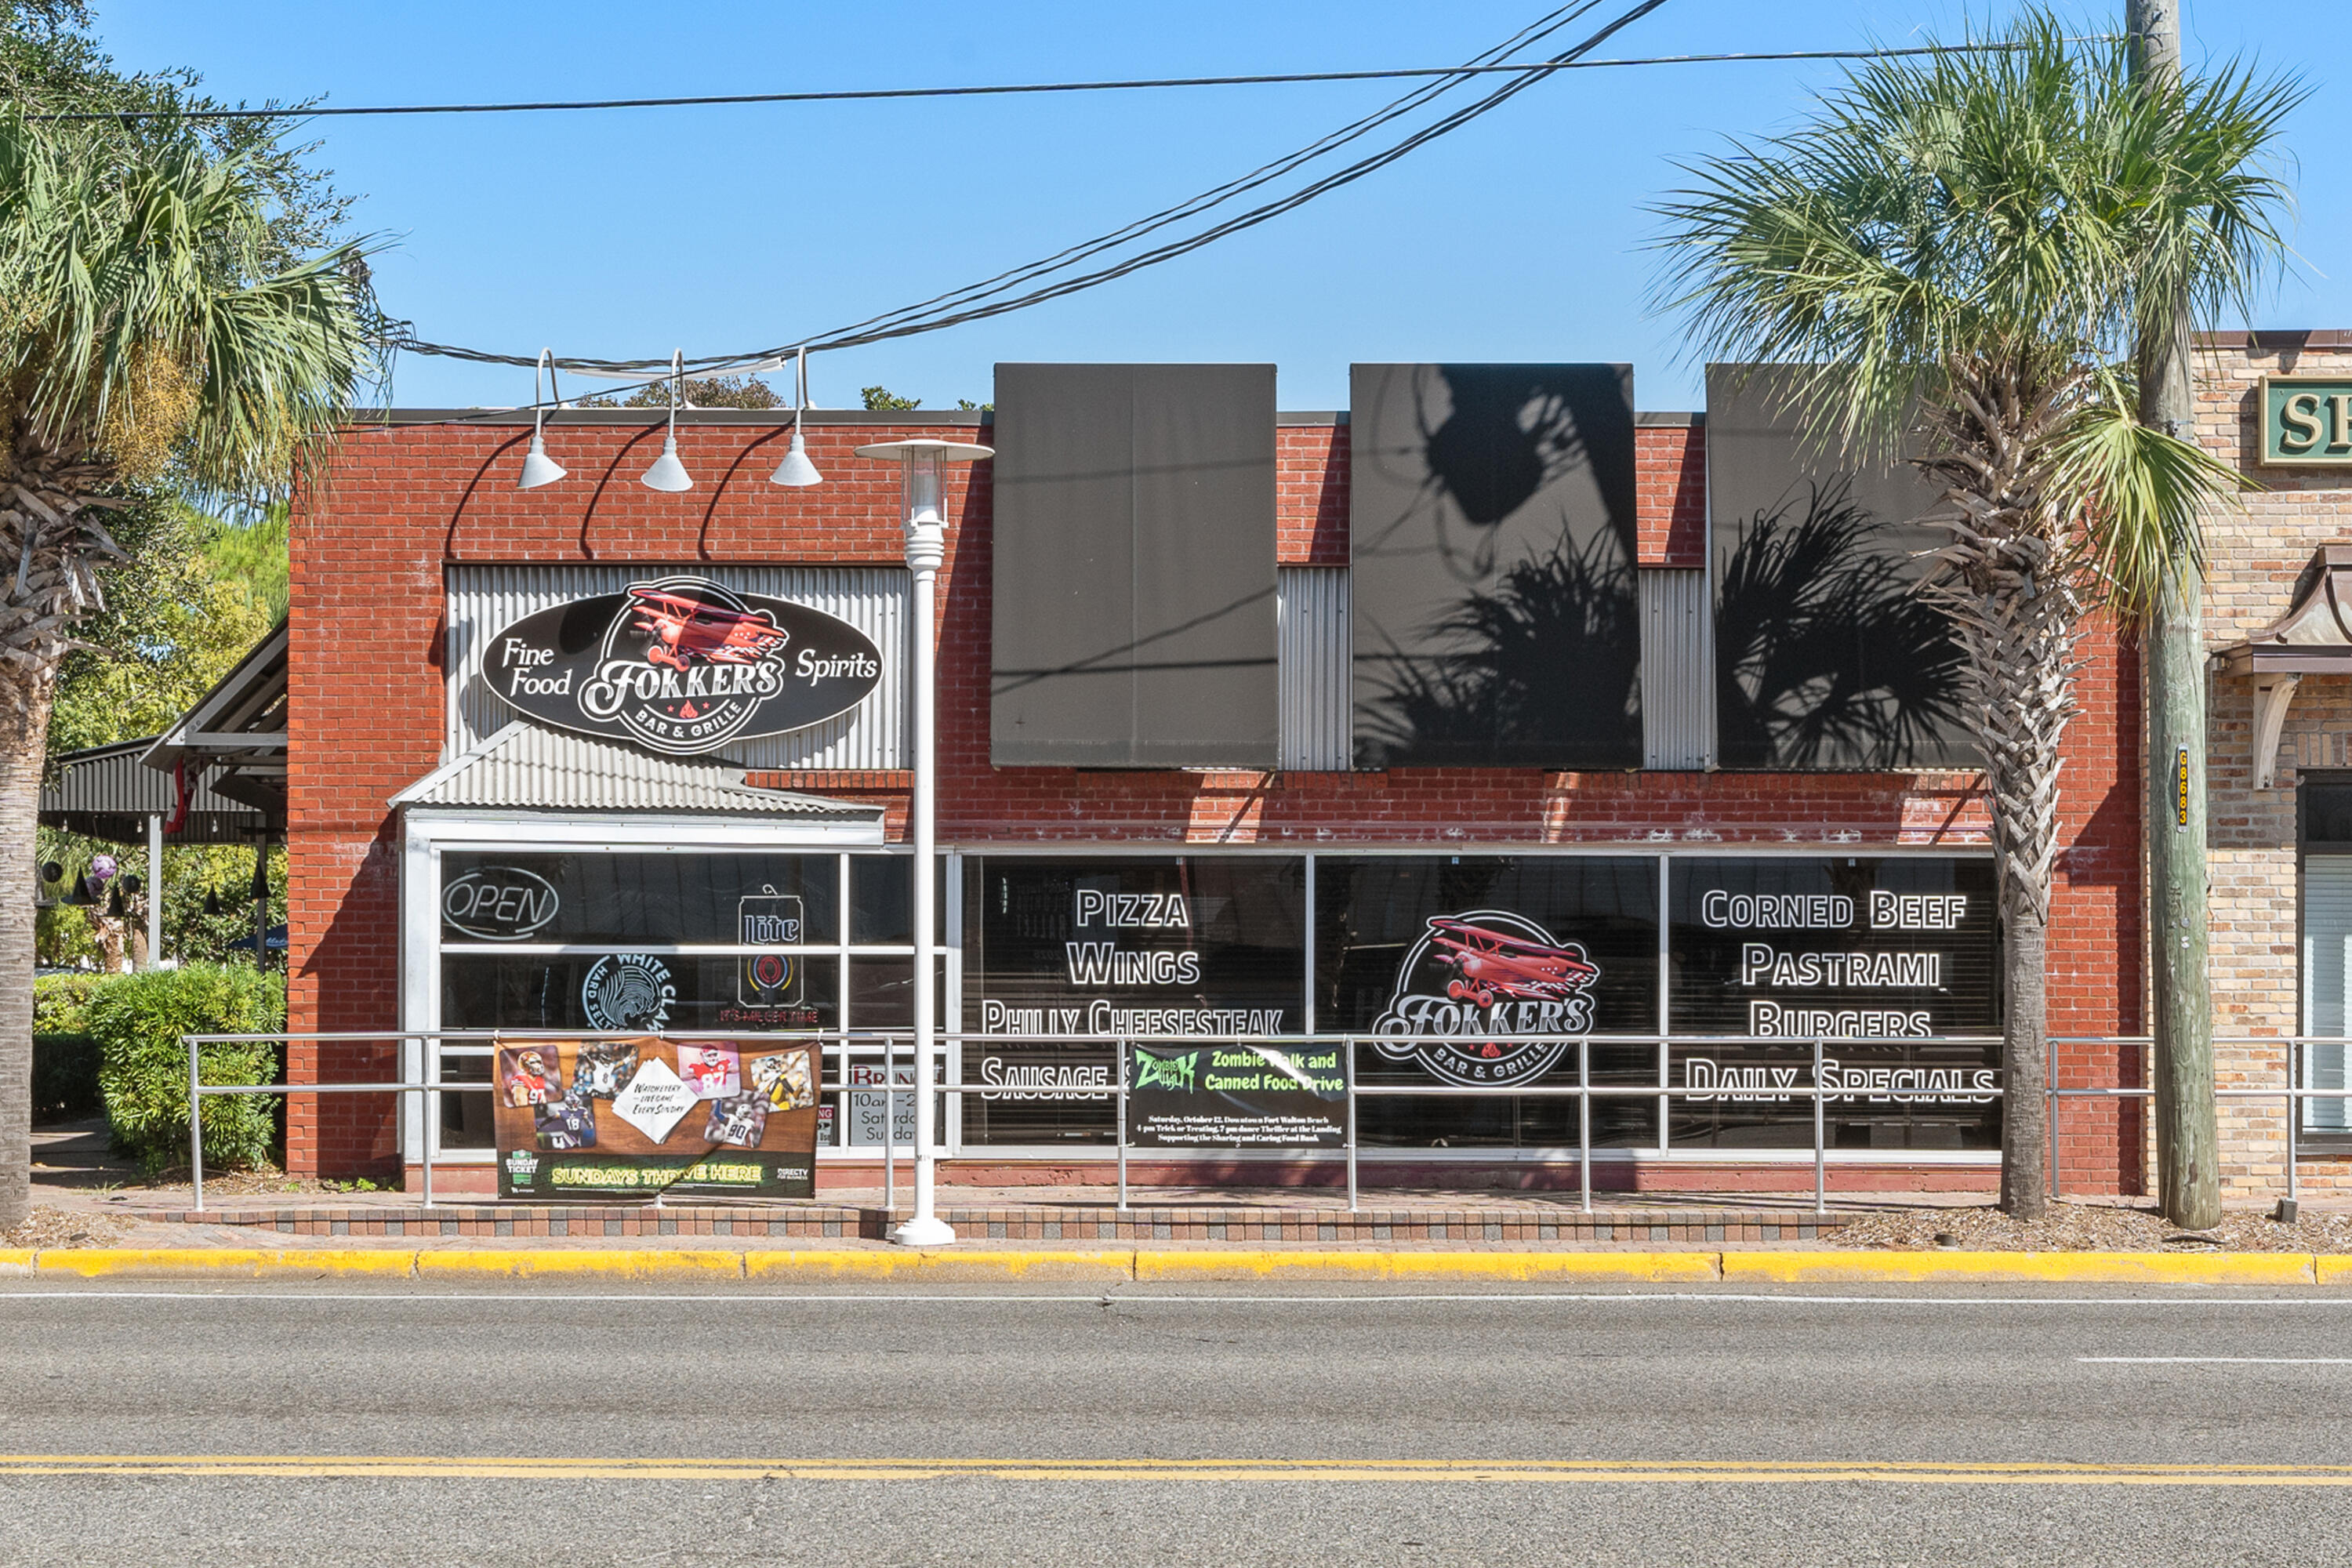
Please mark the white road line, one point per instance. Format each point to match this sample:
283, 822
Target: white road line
1099, 1299
2216, 1360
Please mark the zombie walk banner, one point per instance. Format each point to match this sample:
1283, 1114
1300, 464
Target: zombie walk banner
587, 1118
1234, 1095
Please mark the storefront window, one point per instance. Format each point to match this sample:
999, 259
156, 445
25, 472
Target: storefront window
1436, 955
743, 942
1102, 949
1880, 958
2327, 946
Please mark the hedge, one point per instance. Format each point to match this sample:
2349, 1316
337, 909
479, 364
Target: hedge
65, 1059
138, 1019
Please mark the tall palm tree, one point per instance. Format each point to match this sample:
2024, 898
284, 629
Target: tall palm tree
1991, 231
150, 334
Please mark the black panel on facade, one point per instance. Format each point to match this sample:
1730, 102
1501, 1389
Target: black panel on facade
1134, 566
1491, 548
1825, 655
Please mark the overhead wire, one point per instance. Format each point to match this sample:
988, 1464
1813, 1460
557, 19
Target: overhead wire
973, 302
852, 95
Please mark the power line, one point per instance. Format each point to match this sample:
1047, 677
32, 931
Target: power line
859, 94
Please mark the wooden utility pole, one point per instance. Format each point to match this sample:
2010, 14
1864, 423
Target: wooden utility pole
2187, 1136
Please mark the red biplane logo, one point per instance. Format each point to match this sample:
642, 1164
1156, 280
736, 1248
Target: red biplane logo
690, 631
1487, 996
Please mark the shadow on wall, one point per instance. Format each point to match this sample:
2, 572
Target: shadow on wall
1497, 615
1548, 659
1826, 655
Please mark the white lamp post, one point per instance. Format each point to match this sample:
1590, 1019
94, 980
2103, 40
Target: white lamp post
923, 513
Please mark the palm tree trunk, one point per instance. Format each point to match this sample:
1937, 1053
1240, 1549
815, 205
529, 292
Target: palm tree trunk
23, 735
2025, 1055
2018, 616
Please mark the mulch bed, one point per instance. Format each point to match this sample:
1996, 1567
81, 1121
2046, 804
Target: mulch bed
65, 1227
2093, 1227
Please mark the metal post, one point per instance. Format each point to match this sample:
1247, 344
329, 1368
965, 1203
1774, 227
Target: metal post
195, 1125
923, 515
427, 1122
889, 1119
1820, 1138
1584, 1118
154, 891
1347, 1049
1121, 1132
2049, 1113
2294, 1076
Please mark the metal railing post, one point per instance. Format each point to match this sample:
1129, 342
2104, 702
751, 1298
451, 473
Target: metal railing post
2294, 1059
429, 1109
1820, 1137
2050, 1182
1349, 1048
1121, 1134
1584, 1120
195, 1125
889, 1119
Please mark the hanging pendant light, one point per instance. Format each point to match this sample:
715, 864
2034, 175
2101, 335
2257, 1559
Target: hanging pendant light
538, 468
51, 871
114, 905
668, 474
260, 872
212, 901
797, 470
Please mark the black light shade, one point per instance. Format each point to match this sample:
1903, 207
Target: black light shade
212, 901
51, 871
80, 897
262, 873
129, 884
114, 903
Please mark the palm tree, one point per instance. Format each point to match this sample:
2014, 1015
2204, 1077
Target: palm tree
1991, 231
150, 334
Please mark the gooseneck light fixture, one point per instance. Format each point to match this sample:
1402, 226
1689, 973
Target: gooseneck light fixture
668, 474
923, 513
797, 470
538, 468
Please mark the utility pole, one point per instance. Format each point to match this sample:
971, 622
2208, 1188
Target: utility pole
2188, 1166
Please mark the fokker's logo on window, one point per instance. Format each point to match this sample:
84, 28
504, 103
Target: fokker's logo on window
1481, 974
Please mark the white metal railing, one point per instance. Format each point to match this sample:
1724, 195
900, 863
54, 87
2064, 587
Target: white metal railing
2295, 1093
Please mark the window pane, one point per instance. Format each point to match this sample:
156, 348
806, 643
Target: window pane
2326, 965
881, 900
516, 897
629, 991
1431, 950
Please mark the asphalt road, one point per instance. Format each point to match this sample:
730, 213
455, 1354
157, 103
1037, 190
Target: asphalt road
959, 1425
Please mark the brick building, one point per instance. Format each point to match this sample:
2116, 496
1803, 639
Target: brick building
1308, 792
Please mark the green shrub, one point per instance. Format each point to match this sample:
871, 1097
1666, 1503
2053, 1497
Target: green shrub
137, 1020
58, 1001
64, 1078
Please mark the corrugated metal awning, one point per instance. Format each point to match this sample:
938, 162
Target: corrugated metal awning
526, 768
103, 792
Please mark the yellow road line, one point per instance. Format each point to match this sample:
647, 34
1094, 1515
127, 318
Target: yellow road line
1379, 1471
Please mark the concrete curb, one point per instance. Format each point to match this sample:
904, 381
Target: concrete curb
1123, 1265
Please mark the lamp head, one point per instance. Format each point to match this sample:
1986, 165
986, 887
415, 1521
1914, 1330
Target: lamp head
538, 468
797, 470
667, 474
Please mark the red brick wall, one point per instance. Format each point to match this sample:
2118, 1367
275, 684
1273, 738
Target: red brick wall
405, 500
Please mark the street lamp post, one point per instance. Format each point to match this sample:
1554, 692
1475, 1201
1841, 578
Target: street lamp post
923, 513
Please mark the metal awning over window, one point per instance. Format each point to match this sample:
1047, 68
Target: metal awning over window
2314, 638
526, 768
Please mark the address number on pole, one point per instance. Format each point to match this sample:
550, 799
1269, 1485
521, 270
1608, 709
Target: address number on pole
2181, 788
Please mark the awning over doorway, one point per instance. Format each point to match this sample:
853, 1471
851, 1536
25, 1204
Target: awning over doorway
526, 768
2314, 638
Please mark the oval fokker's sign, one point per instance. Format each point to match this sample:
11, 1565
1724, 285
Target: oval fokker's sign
681, 665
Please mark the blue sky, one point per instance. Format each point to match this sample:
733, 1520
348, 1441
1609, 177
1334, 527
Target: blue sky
627, 234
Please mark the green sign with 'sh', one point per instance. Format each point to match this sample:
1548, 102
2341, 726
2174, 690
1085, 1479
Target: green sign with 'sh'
2306, 421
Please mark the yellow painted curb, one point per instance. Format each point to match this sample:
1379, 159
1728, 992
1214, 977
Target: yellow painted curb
615, 1262
2333, 1268
940, 1263
15, 1260
1647, 1267
94, 1262
2047, 1268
